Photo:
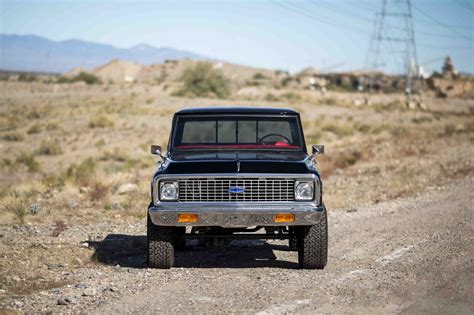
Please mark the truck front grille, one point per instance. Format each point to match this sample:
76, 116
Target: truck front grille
236, 189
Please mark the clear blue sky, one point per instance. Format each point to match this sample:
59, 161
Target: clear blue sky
279, 34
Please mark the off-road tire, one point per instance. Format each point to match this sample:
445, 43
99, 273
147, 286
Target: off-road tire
313, 244
160, 250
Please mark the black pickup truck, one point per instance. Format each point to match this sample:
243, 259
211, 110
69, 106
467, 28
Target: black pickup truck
237, 172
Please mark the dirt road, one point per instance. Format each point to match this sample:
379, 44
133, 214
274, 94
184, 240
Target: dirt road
410, 256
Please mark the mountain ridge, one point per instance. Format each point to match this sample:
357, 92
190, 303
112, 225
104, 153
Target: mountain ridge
36, 53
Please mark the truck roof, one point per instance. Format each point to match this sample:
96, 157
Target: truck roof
237, 110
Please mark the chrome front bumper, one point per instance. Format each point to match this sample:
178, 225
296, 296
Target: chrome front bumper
235, 215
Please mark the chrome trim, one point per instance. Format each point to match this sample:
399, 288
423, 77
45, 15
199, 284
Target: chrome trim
235, 216
296, 177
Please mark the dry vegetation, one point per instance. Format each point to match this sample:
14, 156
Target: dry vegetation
74, 154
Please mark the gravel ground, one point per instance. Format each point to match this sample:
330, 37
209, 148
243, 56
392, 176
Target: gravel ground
412, 255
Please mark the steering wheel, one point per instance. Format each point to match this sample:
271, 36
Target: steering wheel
262, 139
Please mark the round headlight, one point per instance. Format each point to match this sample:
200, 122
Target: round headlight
304, 191
169, 191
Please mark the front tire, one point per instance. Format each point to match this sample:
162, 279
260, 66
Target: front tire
160, 250
313, 244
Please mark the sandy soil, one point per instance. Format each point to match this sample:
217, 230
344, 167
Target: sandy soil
412, 255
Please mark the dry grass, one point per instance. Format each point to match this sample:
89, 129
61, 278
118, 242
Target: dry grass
95, 139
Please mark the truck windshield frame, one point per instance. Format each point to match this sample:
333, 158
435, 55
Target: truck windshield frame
236, 132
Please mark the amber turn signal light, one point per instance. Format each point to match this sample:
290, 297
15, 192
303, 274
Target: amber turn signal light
284, 217
188, 218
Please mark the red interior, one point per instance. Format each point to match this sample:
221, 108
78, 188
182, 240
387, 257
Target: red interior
279, 144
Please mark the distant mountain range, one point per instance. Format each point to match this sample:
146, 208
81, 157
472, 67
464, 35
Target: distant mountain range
35, 53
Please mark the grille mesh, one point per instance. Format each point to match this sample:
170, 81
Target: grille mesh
217, 189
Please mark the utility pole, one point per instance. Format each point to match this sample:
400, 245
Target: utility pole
393, 38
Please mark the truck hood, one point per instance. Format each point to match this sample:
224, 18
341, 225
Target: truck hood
236, 162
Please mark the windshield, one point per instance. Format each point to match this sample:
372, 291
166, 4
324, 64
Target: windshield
237, 133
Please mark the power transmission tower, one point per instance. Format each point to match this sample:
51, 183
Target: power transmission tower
392, 46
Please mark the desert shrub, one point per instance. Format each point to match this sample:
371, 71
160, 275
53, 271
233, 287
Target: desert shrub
82, 174
101, 122
98, 191
88, 78
26, 77
54, 181
149, 101
52, 126
449, 129
291, 97
29, 161
15, 205
259, 76
36, 128
286, 81
269, 97
342, 130
13, 136
49, 147
117, 155
203, 81
59, 227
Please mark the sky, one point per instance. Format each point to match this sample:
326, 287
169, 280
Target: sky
276, 34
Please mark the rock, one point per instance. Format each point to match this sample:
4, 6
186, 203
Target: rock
85, 245
82, 285
35, 209
16, 278
89, 292
70, 299
72, 204
77, 261
84, 190
114, 289
62, 301
55, 290
127, 188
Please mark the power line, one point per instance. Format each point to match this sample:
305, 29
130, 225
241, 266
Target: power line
446, 26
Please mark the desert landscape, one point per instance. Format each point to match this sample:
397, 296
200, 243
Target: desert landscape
74, 188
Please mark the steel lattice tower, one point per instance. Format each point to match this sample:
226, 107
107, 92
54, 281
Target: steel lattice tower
392, 46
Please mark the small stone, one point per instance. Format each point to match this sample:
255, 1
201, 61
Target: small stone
84, 190
127, 188
55, 290
35, 208
62, 301
114, 289
72, 204
89, 292
70, 299
85, 245
82, 285
16, 278
78, 261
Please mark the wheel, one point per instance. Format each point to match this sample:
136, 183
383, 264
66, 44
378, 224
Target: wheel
313, 244
159, 245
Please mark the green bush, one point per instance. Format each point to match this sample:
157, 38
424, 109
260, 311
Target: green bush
88, 78
259, 76
203, 81
36, 128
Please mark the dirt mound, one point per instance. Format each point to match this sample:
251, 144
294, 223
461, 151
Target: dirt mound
118, 71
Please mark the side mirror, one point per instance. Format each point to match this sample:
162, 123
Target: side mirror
156, 150
318, 149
